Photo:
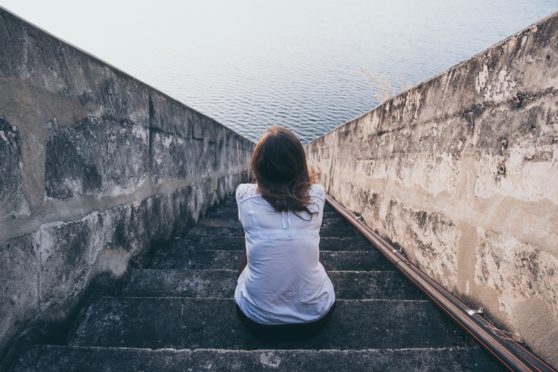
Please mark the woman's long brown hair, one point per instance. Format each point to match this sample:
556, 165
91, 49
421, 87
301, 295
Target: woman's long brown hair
279, 166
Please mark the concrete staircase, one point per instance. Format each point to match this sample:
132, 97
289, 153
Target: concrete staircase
178, 315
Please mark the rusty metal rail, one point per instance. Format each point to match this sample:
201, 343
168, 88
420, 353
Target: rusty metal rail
504, 348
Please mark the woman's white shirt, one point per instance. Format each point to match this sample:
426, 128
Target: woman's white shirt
284, 281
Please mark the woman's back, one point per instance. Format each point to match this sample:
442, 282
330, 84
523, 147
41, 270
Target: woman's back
283, 282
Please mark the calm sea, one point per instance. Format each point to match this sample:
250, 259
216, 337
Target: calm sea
309, 65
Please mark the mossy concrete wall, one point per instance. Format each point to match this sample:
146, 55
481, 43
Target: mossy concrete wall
95, 166
462, 172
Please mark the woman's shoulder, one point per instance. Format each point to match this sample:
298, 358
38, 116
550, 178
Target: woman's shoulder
317, 190
246, 190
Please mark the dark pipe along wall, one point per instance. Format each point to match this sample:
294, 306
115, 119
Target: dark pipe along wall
95, 166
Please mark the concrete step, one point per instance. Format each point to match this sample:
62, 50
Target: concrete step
335, 221
221, 284
220, 222
229, 232
213, 323
178, 257
234, 223
357, 243
49, 358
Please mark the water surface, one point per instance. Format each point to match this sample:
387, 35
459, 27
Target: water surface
309, 65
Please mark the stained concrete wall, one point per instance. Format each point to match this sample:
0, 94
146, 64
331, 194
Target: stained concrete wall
462, 172
95, 166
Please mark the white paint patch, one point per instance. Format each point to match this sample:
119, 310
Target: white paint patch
500, 89
517, 271
44, 241
524, 180
114, 261
73, 184
3, 136
482, 78
166, 141
158, 158
139, 132
118, 190
270, 360
413, 102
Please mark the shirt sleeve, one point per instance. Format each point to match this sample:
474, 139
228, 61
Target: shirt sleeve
237, 195
318, 191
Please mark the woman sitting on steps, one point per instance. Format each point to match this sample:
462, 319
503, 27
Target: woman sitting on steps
282, 289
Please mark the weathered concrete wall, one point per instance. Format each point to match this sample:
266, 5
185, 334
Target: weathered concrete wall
462, 172
94, 166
